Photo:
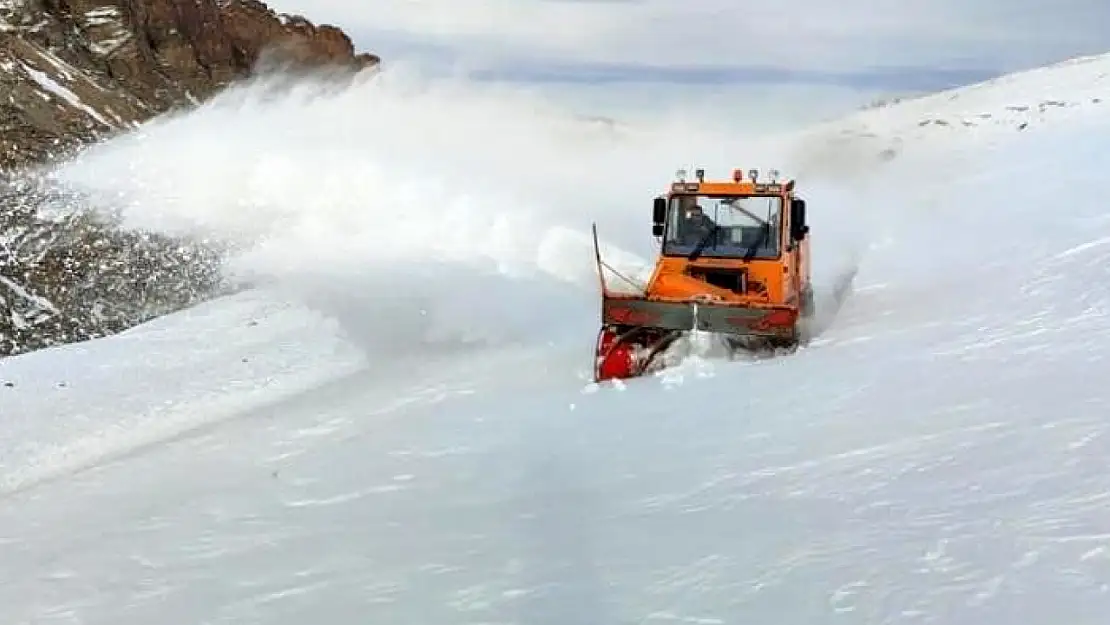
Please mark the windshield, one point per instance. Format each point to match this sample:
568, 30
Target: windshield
745, 225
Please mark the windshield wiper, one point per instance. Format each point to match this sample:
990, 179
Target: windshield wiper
749, 253
704, 241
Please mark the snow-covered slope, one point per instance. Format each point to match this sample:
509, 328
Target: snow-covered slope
936, 456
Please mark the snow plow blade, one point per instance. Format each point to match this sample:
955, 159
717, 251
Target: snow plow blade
734, 319
635, 331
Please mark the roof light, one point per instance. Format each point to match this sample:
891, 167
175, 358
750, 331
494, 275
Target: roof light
700, 174
681, 175
737, 175
774, 174
753, 174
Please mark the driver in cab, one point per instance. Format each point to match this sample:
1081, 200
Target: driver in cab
696, 226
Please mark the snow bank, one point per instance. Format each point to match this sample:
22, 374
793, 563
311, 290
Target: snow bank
74, 406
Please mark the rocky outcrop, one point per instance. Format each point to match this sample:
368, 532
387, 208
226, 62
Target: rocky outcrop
68, 275
74, 71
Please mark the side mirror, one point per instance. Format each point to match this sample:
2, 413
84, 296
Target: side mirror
658, 216
798, 227
659, 211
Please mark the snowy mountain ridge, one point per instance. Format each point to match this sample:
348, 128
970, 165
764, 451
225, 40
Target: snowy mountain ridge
1052, 92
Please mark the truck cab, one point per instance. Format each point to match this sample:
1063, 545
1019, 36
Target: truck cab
746, 237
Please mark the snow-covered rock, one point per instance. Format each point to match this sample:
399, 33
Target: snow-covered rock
76, 71
66, 274
81, 69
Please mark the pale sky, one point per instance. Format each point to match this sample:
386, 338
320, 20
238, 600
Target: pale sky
869, 46
847, 36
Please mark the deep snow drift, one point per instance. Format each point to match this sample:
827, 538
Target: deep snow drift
935, 457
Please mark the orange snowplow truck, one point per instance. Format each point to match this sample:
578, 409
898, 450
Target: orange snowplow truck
733, 262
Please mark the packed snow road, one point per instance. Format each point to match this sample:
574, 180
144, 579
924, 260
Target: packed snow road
936, 456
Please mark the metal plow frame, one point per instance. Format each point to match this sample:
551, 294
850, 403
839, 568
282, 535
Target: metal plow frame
635, 331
